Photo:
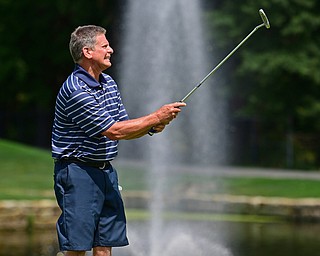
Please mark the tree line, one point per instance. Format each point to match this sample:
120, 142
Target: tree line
273, 82
274, 93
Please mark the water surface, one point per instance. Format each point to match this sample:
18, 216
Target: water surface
189, 238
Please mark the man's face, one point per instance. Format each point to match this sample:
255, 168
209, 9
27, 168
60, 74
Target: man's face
102, 52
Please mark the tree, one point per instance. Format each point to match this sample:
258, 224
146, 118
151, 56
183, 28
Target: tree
276, 81
35, 59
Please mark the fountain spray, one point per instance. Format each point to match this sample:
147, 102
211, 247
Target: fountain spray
264, 24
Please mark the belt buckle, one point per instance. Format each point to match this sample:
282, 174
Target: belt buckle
103, 166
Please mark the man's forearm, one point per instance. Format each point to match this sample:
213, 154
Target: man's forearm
131, 129
137, 135
135, 128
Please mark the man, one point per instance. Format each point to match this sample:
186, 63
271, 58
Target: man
89, 120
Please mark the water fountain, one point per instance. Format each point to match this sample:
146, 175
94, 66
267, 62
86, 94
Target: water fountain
164, 55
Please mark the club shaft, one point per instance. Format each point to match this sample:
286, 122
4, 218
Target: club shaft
221, 62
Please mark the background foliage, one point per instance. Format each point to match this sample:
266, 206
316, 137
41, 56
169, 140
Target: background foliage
274, 92
273, 80
35, 59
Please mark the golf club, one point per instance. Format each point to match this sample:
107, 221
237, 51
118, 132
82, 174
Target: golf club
264, 24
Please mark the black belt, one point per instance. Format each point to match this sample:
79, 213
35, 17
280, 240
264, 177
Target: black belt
97, 164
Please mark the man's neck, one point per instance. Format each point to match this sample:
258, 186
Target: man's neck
95, 73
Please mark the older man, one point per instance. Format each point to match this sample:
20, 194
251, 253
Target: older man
89, 120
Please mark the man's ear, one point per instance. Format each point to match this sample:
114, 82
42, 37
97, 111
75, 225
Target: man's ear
86, 51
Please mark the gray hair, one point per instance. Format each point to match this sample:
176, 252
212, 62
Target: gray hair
83, 36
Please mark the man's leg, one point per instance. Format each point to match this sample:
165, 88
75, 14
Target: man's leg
102, 251
75, 253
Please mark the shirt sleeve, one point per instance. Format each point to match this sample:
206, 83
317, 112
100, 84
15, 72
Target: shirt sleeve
123, 115
84, 110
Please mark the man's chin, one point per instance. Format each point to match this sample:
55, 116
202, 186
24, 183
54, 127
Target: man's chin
106, 66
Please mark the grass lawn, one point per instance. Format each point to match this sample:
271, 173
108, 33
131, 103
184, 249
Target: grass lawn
249, 186
27, 173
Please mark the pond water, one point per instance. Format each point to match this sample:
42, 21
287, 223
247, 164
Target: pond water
189, 238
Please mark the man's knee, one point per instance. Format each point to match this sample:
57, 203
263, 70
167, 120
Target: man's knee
75, 253
102, 251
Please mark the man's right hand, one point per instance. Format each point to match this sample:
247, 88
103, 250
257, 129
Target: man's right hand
168, 112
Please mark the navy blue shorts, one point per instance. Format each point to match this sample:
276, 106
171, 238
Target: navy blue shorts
92, 207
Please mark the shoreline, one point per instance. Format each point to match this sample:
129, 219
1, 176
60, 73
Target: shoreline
42, 214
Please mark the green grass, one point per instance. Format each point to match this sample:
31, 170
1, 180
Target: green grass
27, 173
274, 187
253, 186
142, 215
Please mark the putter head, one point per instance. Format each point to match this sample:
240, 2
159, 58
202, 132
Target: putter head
264, 18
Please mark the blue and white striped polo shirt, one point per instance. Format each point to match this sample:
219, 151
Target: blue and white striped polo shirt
84, 109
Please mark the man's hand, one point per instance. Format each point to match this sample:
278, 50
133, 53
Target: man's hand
168, 112
158, 128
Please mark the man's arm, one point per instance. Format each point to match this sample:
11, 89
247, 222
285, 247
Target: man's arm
135, 128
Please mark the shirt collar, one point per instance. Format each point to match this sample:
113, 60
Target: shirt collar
83, 75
